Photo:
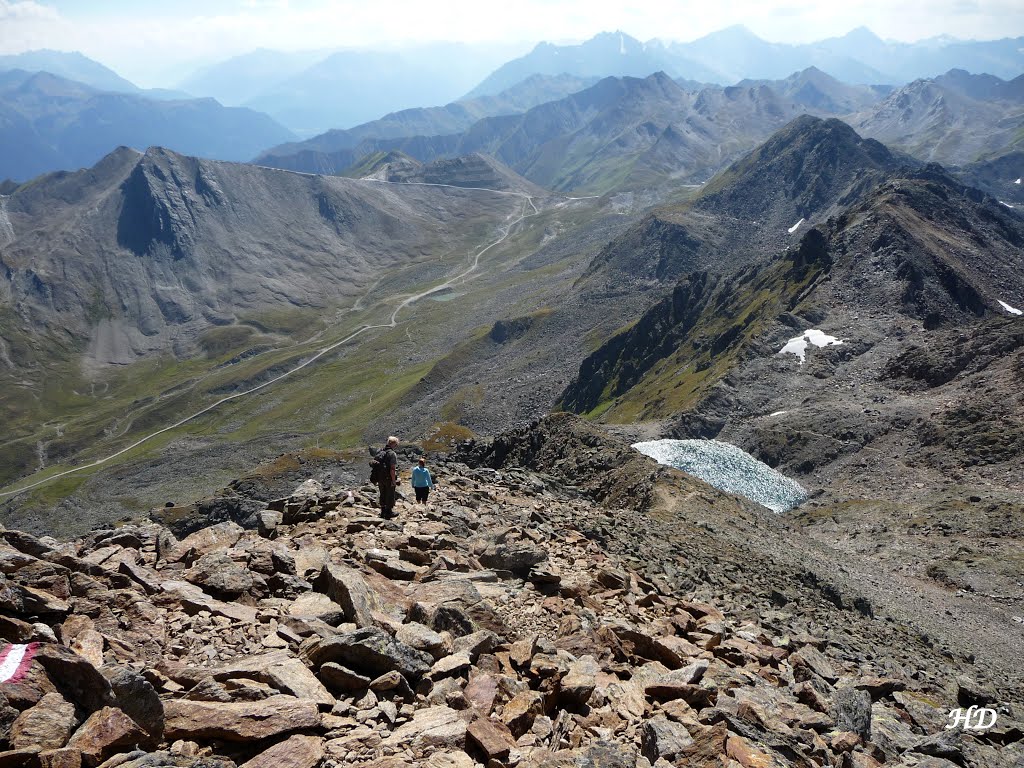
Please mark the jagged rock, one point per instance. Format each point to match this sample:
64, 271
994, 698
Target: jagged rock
339, 678
79, 680
481, 693
677, 684
267, 522
47, 725
212, 539
347, 588
368, 650
241, 721
293, 677
852, 711
879, 687
431, 728
579, 682
449, 666
193, 600
220, 575
295, 752
105, 732
66, 757
520, 711
493, 740
476, 643
137, 697
662, 738
517, 557
947, 745
317, 605
422, 638
970, 692
810, 658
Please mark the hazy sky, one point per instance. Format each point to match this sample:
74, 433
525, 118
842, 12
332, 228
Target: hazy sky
158, 43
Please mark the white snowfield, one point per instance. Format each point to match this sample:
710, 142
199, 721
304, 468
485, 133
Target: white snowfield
796, 226
798, 344
728, 468
1008, 308
1006, 204
1017, 181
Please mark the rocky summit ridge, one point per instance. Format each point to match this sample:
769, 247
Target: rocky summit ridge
513, 621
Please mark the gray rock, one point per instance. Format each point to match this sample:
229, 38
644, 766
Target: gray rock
852, 711
220, 575
138, 699
369, 650
347, 588
661, 737
517, 557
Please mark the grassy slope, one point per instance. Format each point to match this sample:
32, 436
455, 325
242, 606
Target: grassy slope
332, 401
677, 382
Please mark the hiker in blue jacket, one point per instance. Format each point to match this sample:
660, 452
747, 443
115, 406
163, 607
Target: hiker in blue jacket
422, 482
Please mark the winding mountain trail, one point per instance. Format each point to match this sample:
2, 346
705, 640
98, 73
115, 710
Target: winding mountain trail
392, 322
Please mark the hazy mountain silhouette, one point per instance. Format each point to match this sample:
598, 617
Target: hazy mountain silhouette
62, 124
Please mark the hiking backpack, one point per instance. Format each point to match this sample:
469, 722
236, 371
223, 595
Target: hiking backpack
379, 467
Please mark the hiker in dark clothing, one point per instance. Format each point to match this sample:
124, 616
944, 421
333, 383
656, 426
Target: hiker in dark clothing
389, 482
422, 481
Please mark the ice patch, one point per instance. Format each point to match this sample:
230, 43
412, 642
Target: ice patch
796, 226
1008, 308
777, 413
1017, 181
729, 469
798, 344
1006, 204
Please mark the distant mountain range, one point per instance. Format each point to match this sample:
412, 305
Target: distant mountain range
619, 133
311, 92
82, 69
736, 53
641, 132
49, 123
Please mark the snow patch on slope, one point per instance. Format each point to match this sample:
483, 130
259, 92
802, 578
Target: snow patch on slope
798, 344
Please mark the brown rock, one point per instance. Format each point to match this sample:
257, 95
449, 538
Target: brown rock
879, 687
69, 757
241, 721
433, 727
318, 606
814, 660
494, 740
744, 753
47, 725
579, 682
342, 679
89, 645
295, 752
79, 680
450, 666
481, 692
293, 677
521, 652
844, 741
104, 733
520, 711
193, 600
215, 537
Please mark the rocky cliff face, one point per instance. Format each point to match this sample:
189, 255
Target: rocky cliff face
143, 253
511, 622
